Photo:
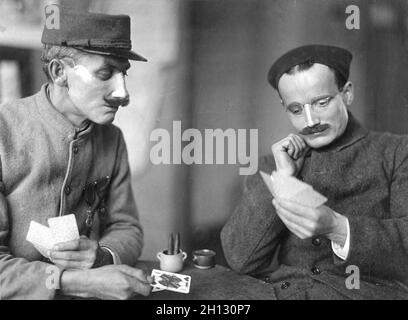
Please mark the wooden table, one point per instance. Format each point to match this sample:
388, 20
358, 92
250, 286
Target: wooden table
217, 283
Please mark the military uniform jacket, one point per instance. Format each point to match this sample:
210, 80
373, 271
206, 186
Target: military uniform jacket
364, 175
47, 169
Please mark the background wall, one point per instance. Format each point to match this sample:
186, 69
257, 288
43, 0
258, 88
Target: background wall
207, 68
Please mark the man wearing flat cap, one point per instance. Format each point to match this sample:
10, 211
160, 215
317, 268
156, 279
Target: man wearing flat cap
60, 155
355, 246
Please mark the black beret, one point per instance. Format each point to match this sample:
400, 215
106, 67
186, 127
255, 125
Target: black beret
334, 57
92, 32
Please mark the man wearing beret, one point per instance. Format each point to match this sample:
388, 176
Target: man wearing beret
60, 155
356, 245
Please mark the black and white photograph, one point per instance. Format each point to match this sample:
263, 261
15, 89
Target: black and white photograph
183, 151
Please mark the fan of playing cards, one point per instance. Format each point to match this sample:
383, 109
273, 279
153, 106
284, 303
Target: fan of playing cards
61, 229
290, 188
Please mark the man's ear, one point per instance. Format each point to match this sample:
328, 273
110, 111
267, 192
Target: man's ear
58, 73
348, 91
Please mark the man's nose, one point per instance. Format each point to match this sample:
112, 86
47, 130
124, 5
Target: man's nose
310, 118
119, 87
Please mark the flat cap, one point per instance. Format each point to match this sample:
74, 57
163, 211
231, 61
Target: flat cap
91, 32
334, 57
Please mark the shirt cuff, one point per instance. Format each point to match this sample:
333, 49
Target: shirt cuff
115, 257
342, 252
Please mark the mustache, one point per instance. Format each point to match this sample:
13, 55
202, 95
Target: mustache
117, 102
311, 130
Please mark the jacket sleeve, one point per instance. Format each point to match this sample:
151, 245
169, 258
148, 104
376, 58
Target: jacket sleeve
379, 247
252, 233
122, 232
20, 278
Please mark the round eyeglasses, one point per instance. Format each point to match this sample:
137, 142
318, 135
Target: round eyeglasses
317, 105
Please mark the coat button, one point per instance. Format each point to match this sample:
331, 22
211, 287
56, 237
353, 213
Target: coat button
266, 279
75, 149
67, 190
285, 285
315, 270
316, 242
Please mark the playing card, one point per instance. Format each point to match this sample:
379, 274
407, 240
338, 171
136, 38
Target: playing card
171, 281
290, 188
287, 187
280, 187
41, 237
61, 229
309, 198
64, 228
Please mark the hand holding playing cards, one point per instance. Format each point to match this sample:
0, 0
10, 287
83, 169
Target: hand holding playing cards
306, 222
289, 154
81, 253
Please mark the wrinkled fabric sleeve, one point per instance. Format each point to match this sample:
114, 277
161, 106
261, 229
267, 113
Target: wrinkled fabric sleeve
380, 246
252, 233
20, 278
122, 232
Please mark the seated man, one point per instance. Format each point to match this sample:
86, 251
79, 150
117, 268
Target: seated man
356, 245
59, 155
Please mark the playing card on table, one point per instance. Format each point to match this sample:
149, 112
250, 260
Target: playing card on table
170, 281
290, 188
64, 228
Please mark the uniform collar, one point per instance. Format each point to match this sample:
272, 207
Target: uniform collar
353, 133
56, 119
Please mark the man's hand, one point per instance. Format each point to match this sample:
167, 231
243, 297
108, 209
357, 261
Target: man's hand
289, 154
306, 222
108, 282
82, 253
